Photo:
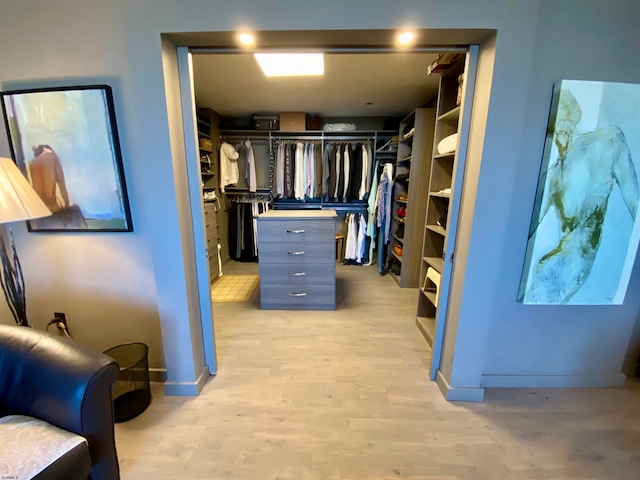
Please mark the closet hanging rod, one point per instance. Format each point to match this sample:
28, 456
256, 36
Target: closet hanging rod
345, 208
244, 137
346, 138
337, 138
241, 191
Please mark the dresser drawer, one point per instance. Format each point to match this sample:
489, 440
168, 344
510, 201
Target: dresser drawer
288, 297
297, 253
300, 275
296, 231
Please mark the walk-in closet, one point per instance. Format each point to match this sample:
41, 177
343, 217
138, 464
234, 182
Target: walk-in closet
376, 139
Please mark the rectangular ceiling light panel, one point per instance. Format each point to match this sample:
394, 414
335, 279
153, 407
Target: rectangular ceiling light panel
290, 64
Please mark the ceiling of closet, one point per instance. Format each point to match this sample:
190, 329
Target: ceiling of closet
354, 85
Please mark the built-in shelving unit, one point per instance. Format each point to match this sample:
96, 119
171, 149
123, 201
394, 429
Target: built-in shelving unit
437, 216
415, 144
207, 136
208, 163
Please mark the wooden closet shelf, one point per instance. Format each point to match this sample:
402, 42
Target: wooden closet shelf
400, 239
431, 296
427, 326
435, 262
397, 257
439, 195
205, 150
386, 152
408, 138
452, 115
437, 229
448, 155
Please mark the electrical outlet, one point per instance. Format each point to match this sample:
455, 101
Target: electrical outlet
60, 317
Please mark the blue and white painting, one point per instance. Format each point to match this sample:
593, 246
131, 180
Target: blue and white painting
65, 142
585, 226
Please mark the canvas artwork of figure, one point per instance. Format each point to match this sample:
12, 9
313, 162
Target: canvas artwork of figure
585, 229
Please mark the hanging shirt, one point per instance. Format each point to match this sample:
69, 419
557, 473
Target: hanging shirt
280, 171
228, 165
356, 173
383, 202
250, 171
362, 229
371, 209
299, 172
346, 169
319, 170
352, 238
309, 171
289, 169
328, 166
365, 173
370, 171
339, 175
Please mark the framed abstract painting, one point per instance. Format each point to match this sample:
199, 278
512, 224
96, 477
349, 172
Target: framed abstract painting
585, 226
65, 141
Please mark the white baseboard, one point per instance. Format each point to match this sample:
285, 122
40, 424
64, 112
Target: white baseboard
457, 394
553, 381
187, 389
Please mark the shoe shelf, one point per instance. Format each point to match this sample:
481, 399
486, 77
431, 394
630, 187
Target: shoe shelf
437, 229
435, 262
413, 164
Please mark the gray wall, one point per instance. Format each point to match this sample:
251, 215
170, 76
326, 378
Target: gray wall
589, 43
120, 287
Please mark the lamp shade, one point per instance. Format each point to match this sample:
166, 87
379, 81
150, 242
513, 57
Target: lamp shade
18, 200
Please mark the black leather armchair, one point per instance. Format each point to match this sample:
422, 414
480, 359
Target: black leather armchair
65, 384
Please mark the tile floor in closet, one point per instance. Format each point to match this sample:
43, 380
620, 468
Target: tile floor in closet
345, 395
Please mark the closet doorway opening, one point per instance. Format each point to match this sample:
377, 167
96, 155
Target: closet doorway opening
385, 93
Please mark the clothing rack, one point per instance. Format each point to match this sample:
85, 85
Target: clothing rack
244, 195
347, 208
244, 137
323, 138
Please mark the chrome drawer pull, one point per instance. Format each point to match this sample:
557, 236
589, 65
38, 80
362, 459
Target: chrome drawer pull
295, 231
297, 274
296, 253
297, 294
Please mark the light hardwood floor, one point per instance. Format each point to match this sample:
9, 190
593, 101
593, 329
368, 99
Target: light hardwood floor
345, 395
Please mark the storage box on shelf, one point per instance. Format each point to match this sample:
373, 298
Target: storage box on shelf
292, 121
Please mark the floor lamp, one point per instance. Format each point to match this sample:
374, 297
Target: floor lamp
18, 202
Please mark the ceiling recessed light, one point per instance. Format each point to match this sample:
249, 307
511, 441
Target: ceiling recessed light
246, 39
406, 38
290, 64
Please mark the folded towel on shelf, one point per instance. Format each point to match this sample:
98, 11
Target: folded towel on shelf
448, 144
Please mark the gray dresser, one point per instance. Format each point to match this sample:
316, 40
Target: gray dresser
211, 229
296, 251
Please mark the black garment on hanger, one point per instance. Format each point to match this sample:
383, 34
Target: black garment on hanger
241, 244
332, 172
355, 177
289, 155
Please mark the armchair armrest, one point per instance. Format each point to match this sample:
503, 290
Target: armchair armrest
64, 383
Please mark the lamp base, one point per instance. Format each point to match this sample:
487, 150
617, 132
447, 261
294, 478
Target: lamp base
12, 281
